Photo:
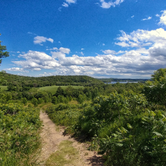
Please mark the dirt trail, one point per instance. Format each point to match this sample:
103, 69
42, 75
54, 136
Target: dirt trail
51, 138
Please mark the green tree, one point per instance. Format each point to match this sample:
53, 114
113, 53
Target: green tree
34, 102
59, 91
159, 75
3, 53
54, 100
24, 101
40, 101
155, 90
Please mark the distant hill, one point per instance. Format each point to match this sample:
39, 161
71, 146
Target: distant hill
6, 79
109, 80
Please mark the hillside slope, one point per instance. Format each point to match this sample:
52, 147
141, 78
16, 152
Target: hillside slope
6, 79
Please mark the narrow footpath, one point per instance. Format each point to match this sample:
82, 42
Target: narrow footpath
52, 136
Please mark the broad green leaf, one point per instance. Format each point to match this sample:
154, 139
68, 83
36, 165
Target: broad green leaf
129, 126
158, 134
119, 144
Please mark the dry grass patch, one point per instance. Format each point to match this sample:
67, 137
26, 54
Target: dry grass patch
73, 102
66, 154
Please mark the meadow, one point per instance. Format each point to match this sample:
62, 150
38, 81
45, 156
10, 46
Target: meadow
54, 88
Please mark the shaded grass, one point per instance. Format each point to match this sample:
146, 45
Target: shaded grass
66, 154
3, 88
54, 88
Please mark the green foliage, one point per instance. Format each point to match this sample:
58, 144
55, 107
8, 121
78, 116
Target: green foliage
142, 143
125, 129
81, 98
64, 114
24, 101
3, 88
25, 83
155, 90
3, 52
59, 92
40, 101
19, 135
35, 102
159, 75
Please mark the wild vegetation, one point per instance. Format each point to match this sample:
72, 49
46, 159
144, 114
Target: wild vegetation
128, 128
124, 122
21, 83
19, 134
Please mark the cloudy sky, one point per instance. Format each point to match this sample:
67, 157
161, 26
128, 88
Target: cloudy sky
98, 38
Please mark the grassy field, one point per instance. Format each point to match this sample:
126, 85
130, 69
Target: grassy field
3, 88
54, 88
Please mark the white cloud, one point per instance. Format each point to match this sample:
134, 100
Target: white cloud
17, 69
146, 52
35, 60
109, 52
60, 53
42, 39
141, 38
107, 5
163, 18
148, 18
64, 50
140, 62
132, 16
81, 53
65, 4
71, 1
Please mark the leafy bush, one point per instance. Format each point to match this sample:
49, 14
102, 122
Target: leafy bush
142, 143
18, 132
125, 128
64, 114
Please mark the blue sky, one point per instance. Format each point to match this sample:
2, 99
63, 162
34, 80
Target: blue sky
98, 38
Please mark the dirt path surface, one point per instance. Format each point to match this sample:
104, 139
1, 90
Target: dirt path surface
52, 136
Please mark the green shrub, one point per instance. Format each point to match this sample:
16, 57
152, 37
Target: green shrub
19, 135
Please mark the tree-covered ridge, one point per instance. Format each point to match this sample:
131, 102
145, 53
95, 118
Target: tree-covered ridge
6, 79
108, 80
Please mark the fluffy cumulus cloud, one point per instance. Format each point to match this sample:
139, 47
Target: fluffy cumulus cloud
35, 60
107, 5
42, 39
141, 38
139, 62
109, 52
163, 18
60, 53
146, 52
16, 69
142, 52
